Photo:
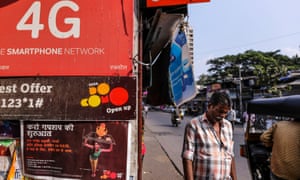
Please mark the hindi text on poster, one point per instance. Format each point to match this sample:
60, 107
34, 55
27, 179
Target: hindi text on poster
49, 150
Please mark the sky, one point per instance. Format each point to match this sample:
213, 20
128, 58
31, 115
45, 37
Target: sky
230, 27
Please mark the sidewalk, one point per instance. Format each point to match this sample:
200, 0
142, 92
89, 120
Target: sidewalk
157, 164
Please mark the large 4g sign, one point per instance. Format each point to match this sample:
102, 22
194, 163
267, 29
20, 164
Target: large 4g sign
35, 12
66, 37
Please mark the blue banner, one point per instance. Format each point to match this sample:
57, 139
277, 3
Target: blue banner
182, 83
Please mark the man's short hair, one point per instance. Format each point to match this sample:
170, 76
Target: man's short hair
220, 98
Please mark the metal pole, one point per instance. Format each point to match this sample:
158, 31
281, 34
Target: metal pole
140, 107
240, 92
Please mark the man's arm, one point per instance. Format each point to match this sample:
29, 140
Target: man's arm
188, 150
267, 136
188, 169
233, 170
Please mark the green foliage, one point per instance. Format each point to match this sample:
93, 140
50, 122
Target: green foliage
266, 67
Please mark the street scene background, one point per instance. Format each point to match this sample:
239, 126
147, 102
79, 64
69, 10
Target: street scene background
164, 144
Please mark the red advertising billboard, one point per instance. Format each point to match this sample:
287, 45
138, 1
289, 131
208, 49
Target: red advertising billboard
66, 38
156, 3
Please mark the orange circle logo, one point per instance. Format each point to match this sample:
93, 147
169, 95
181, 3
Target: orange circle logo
103, 88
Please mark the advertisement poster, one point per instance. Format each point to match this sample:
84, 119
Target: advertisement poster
66, 38
182, 83
68, 98
74, 150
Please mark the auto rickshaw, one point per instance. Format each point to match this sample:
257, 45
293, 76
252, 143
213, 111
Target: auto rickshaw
262, 114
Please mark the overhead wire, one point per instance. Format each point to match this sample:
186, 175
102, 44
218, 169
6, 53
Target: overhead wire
251, 43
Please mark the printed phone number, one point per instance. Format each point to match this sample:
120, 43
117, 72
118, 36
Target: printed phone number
22, 102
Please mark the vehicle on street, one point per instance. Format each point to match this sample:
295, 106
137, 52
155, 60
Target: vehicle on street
177, 116
194, 107
262, 114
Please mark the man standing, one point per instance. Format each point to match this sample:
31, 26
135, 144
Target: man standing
284, 138
208, 143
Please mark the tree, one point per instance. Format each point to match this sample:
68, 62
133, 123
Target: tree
267, 67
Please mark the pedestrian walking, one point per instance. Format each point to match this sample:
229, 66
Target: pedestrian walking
146, 109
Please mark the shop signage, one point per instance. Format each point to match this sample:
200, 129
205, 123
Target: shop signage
68, 98
181, 72
66, 37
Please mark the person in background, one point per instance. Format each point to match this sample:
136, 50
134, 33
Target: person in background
245, 118
146, 109
284, 138
231, 116
208, 143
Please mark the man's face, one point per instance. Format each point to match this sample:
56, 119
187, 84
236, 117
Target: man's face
217, 113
